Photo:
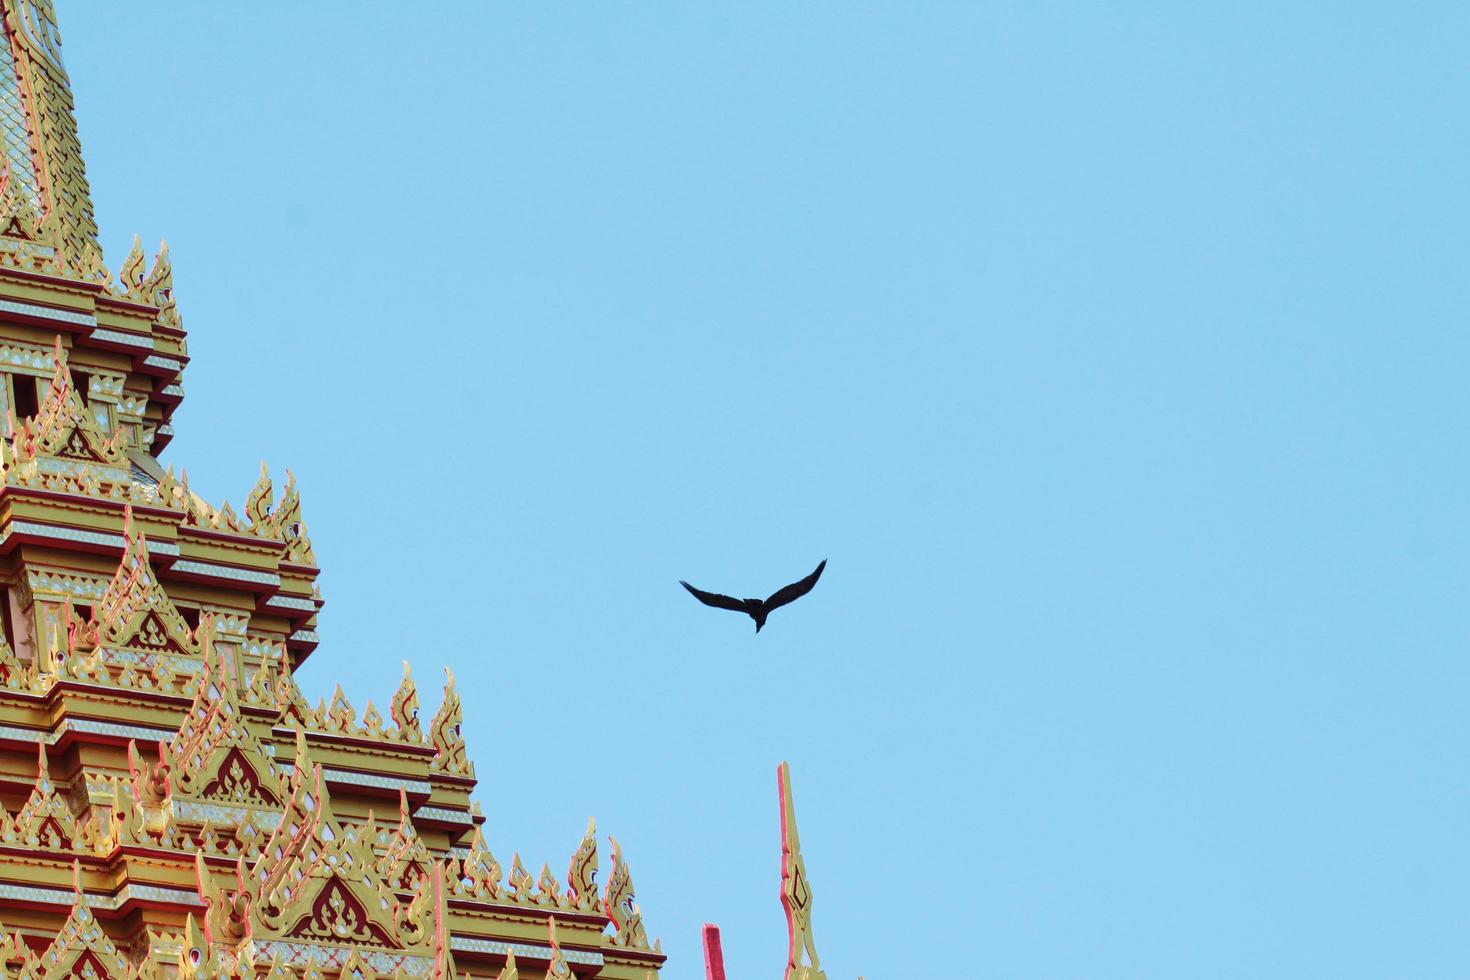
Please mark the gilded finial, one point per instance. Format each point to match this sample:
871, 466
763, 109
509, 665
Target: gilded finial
796, 894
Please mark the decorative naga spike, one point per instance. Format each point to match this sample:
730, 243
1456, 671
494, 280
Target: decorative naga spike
90, 266
618, 904
519, 880
404, 708
547, 888
151, 783
194, 952
557, 969
134, 271
510, 972
480, 869
43, 770
341, 716
796, 893
450, 755
158, 287
582, 872
260, 500
278, 970
371, 719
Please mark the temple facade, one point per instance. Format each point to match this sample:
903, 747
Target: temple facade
170, 804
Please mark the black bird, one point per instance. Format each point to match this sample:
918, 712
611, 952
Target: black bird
759, 609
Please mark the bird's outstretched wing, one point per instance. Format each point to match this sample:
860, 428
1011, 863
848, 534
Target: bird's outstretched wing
714, 598
795, 590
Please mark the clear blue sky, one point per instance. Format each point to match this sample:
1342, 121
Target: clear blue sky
1116, 356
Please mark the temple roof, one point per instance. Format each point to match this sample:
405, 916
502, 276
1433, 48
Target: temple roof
37, 125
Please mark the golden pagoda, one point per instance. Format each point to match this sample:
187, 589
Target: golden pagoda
170, 804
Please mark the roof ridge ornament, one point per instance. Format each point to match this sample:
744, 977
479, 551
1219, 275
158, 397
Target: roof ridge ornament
796, 892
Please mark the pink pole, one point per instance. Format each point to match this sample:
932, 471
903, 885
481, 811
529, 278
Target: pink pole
714, 957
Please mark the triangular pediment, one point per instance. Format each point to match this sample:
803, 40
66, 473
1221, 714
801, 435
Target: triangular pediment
135, 613
214, 757
318, 880
63, 428
45, 820
337, 915
81, 948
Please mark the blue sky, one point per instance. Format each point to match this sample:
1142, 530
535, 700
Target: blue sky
1115, 355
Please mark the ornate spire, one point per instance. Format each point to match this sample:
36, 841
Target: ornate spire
796, 893
38, 126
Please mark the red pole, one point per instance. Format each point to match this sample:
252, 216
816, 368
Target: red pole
714, 957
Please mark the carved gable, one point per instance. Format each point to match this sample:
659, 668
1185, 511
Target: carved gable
81, 948
317, 880
135, 613
214, 757
63, 428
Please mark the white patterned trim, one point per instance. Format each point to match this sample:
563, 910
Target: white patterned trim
444, 815
464, 944
306, 636
69, 467
37, 361
90, 727
118, 337
66, 534
176, 391
73, 585
294, 954
159, 361
65, 896
291, 602
378, 782
82, 536
220, 814
226, 571
49, 313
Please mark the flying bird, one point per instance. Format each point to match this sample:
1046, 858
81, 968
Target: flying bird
759, 609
